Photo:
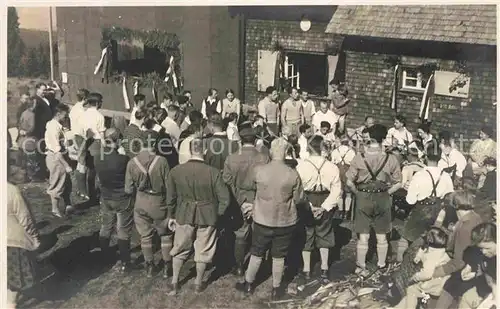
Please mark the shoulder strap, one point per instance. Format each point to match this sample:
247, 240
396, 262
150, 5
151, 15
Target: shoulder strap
342, 157
434, 183
318, 170
377, 172
152, 165
140, 166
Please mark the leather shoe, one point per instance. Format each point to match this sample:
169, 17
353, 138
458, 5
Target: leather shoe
238, 271
173, 289
198, 288
245, 287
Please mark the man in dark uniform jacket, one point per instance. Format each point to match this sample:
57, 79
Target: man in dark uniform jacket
237, 175
43, 114
217, 146
196, 197
146, 177
373, 177
115, 202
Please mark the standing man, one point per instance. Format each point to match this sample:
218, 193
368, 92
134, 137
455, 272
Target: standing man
373, 177
291, 113
278, 191
139, 104
211, 104
237, 173
94, 128
269, 109
133, 135
43, 114
324, 114
196, 197
323, 190
146, 177
218, 146
25, 102
171, 126
77, 120
27, 142
116, 208
308, 107
340, 106
57, 163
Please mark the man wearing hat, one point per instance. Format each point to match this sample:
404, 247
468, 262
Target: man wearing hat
116, 208
278, 191
196, 198
146, 177
237, 175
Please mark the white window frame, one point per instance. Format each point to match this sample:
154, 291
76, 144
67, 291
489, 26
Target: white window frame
295, 76
419, 79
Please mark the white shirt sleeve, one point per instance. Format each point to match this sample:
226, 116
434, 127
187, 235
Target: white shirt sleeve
335, 188
313, 108
414, 189
52, 135
262, 110
101, 127
461, 162
410, 137
389, 137
219, 107
204, 109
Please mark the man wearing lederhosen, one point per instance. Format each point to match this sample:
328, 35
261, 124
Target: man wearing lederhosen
373, 177
323, 189
275, 217
146, 177
197, 196
237, 175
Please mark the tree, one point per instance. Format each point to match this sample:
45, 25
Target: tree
43, 53
15, 44
32, 65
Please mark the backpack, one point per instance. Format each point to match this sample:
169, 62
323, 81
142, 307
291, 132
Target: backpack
145, 185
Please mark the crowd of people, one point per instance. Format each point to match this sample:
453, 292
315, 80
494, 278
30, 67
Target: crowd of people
238, 188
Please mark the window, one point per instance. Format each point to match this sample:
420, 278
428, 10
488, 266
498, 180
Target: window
308, 72
413, 80
138, 60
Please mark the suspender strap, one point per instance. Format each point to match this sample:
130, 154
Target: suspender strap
142, 168
434, 184
377, 172
318, 170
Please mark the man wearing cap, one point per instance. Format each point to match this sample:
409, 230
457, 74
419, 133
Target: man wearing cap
115, 202
323, 188
237, 175
278, 191
146, 177
196, 197
77, 121
373, 177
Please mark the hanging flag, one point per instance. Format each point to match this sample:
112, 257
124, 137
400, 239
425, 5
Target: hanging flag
425, 106
395, 85
99, 65
171, 72
125, 95
153, 91
136, 87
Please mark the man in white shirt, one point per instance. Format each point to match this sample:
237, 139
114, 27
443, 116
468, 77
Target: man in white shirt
322, 187
167, 101
308, 107
77, 119
398, 135
184, 151
171, 126
324, 114
211, 104
342, 156
426, 188
139, 103
305, 134
57, 164
94, 121
452, 160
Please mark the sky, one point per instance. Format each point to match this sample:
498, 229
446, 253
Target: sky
35, 18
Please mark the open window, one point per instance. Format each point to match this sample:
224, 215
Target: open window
308, 72
413, 79
136, 58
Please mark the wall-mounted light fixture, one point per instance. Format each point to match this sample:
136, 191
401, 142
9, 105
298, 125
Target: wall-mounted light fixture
305, 23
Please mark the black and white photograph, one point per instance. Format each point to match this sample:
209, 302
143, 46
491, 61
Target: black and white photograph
169, 155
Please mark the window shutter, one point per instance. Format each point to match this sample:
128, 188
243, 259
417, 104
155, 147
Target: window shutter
332, 66
266, 67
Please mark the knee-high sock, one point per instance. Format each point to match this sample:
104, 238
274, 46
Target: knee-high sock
200, 271
278, 269
382, 248
361, 251
402, 246
347, 202
306, 258
147, 250
239, 253
253, 268
176, 269
323, 252
166, 246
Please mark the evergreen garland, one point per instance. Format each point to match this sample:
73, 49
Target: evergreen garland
165, 42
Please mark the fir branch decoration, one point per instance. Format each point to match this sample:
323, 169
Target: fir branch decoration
427, 69
392, 61
164, 41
